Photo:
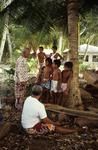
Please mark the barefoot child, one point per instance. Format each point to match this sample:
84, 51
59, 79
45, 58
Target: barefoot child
66, 77
56, 82
41, 57
46, 81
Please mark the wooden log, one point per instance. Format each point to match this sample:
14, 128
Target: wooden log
71, 112
4, 129
93, 109
86, 122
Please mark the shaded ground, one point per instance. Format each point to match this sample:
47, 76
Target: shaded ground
18, 140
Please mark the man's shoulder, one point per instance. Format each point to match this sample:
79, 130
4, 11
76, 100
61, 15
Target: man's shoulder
21, 58
33, 100
41, 104
28, 98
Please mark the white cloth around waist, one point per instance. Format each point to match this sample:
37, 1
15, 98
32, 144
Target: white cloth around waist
64, 86
54, 85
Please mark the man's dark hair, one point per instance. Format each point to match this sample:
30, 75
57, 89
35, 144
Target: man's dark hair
54, 47
57, 62
37, 90
49, 60
68, 64
41, 47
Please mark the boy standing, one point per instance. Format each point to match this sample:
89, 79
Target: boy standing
41, 57
46, 81
56, 82
66, 77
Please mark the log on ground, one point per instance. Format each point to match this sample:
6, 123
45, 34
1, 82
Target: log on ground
72, 112
93, 109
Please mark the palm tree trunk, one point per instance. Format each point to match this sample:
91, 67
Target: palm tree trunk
74, 95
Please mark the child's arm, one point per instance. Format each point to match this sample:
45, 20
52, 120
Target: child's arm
38, 56
38, 79
60, 56
68, 84
45, 55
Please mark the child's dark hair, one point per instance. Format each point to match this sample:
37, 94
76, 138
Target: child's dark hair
41, 47
49, 60
54, 47
68, 64
57, 62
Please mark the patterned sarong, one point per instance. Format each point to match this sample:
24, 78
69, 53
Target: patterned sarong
20, 92
41, 128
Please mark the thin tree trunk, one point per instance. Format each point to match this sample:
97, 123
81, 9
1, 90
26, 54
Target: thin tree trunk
88, 42
4, 36
74, 95
60, 43
5, 4
3, 43
9, 44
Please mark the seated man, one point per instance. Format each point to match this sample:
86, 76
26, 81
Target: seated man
34, 117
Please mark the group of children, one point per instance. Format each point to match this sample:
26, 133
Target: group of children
55, 82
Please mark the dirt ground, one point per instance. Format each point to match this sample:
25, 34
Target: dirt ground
17, 139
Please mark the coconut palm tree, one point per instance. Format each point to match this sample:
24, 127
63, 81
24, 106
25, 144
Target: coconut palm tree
74, 97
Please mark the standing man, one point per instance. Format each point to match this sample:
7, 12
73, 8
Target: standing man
21, 78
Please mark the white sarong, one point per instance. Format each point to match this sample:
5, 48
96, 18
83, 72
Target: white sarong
64, 86
54, 86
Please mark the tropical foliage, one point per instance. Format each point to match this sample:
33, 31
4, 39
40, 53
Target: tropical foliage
42, 22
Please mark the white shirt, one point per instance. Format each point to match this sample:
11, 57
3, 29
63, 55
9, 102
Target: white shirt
33, 112
21, 70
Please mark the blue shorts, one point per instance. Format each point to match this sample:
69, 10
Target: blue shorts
46, 85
